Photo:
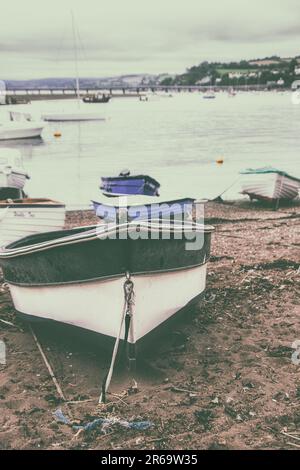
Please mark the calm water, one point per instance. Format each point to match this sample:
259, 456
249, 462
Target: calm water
176, 140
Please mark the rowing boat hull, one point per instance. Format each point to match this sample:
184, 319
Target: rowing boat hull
13, 180
129, 185
18, 220
15, 130
177, 208
102, 314
269, 186
72, 117
81, 281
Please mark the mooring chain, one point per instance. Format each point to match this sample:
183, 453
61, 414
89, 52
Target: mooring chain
129, 294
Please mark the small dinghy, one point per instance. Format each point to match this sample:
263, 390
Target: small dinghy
125, 184
91, 277
12, 173
22, 217
269, 184
209, 95
96, 99
143, 210
143, 98
74, 116
232, 93
20, 126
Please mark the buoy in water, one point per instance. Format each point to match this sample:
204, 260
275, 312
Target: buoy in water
57, 134
220, 161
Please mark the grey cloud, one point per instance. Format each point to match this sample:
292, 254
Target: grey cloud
137, 35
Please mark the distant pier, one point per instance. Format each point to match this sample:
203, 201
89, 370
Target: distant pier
26, 95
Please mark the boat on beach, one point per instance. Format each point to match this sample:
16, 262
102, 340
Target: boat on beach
12, 173
22, 217
269, 184
141, 209
125, 184
81, 276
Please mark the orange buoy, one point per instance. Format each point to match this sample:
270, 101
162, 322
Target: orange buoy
57, 134
220, 161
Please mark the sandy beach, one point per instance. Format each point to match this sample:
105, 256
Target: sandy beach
222, 378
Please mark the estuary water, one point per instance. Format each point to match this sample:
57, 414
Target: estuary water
176, 140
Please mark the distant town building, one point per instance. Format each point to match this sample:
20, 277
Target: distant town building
264, 62
297, 70
236, 75
204, 81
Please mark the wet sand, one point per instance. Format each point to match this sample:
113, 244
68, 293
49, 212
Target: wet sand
221, 379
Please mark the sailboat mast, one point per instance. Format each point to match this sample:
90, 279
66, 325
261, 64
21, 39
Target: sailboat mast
75, 58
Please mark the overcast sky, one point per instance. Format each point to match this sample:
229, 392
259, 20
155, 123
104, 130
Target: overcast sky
141, 36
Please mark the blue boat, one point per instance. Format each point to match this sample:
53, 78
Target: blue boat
124, 184
177, 208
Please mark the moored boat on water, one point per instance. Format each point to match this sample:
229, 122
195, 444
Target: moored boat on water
209, 95
81, 276
125, 184
20, 126
96, 99
12, 173
231, 93
269, 184
22, 217
67, 115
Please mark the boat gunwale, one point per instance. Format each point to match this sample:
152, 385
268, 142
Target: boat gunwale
268, 171
93, 234
110, 277
14, 172
31, 202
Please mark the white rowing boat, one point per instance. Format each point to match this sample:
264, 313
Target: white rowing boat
12, 174
20, 126
269, 184
78, 115
78, 276
22, 217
